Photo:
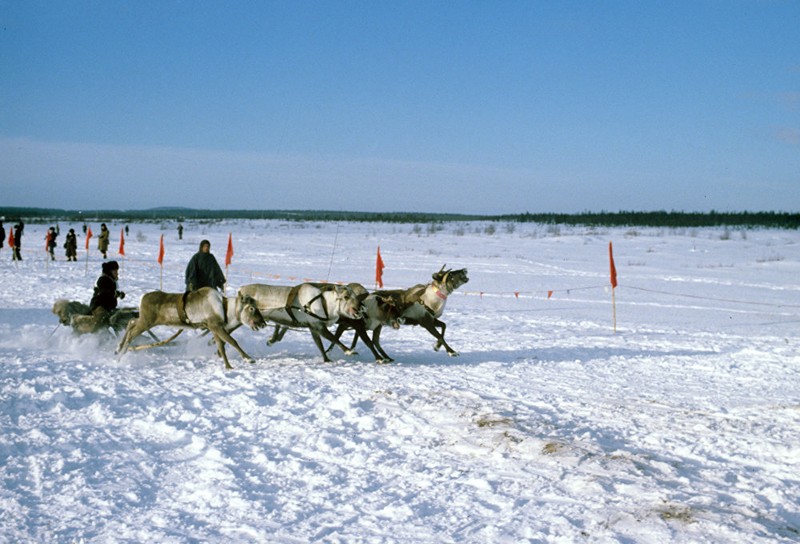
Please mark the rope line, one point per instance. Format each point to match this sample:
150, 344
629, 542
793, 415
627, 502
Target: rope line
715, 299
543, 294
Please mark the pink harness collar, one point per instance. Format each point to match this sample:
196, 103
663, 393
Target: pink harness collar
441, 295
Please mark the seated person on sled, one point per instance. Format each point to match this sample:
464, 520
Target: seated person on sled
104, 302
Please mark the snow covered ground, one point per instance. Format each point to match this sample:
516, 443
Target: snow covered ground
684, 426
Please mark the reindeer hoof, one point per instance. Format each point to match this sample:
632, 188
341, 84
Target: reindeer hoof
453, 353
351, 352
228, 367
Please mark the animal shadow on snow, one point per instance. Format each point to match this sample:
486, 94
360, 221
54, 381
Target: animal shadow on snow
587, 355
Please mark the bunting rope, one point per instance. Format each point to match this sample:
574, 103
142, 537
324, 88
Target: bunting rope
715, 299
517, 294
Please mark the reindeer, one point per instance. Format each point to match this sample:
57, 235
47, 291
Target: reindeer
205, 308
311, 306
421, 305
377, 310
424, 304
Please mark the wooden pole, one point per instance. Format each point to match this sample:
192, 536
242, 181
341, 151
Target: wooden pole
614, 307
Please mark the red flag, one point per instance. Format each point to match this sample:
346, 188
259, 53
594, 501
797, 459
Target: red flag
122, 242
613, 268
229, 254
379, 266
11, 237
88, 237
161, 251
47, 242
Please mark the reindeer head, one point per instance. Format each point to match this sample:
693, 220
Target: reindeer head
451, 279
390, 310
248, 312
348, 302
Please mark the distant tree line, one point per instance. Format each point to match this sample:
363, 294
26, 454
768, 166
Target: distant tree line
713, 218
781, 220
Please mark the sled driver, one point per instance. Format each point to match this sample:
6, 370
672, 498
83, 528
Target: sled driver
104, 300
203, 270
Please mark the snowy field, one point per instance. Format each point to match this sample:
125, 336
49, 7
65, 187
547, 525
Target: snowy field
683, 426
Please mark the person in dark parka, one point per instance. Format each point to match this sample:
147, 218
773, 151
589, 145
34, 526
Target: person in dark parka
105, 291
19, 228
71, 245
203, 270
104, 301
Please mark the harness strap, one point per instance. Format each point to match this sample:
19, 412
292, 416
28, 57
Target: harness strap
290, 299
182, 308
306, 308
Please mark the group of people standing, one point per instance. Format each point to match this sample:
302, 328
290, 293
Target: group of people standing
70, 243
51, 241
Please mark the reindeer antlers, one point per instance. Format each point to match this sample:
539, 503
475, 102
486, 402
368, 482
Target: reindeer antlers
441, 273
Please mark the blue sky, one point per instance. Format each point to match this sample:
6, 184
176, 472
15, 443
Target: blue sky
465, 107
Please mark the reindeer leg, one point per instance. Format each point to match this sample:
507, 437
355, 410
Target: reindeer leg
325, 333
219, 330
376, 337
340, 328
430, 326
353, 343
277, 335
439, 343
135, 328
318, 342
122, 347
361, 332
221, 351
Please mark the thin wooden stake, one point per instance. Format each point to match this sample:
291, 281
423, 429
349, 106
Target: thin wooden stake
614, 306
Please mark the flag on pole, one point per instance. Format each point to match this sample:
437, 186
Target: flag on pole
88, 237
229, 254
613, 268
161, 251
11, 237
379, 266
47, 242
122, 242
